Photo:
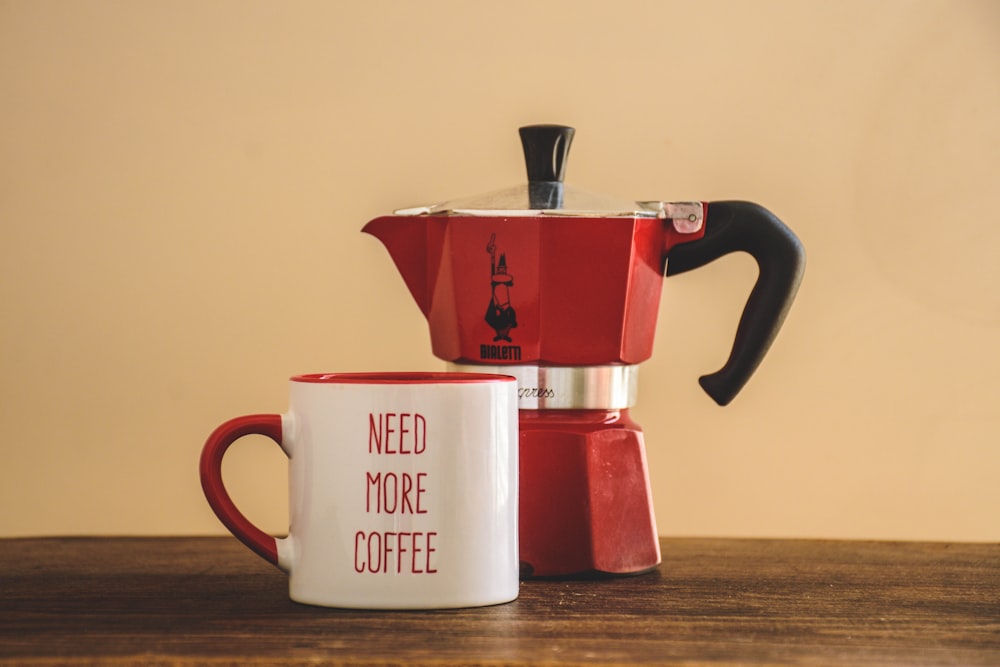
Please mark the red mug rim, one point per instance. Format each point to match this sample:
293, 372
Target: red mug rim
401, 377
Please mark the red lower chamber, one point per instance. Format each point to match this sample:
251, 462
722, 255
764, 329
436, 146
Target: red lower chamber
585, 501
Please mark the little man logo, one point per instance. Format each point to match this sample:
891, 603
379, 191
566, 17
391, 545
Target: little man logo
500, 314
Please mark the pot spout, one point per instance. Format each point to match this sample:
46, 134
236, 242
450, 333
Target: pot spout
414, 243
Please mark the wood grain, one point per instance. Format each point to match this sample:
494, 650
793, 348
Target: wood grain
179, 601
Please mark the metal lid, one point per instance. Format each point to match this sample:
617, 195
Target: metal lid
518, 201
546, 148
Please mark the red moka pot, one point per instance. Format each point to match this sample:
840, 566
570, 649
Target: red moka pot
561, 289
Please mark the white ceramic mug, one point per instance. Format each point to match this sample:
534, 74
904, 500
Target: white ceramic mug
403, 489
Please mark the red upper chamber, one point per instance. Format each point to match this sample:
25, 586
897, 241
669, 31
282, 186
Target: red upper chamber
534, 289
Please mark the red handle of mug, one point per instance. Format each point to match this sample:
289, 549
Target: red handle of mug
215, 491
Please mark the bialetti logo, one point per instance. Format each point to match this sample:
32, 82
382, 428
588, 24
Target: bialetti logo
500, 314
500, 352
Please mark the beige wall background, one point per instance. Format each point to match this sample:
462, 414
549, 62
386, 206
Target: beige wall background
182, 186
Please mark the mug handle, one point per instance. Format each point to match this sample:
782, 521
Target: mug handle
218, 498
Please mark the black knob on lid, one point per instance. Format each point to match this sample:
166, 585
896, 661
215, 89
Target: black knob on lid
545, 150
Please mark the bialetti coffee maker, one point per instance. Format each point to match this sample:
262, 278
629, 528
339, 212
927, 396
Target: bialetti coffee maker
560, 288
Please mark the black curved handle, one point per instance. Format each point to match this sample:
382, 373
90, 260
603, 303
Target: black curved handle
731, 226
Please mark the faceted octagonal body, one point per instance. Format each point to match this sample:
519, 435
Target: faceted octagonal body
532, 290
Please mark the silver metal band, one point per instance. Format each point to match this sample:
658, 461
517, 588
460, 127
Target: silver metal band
567, 387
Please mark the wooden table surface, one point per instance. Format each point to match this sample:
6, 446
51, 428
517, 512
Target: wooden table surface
713, 601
